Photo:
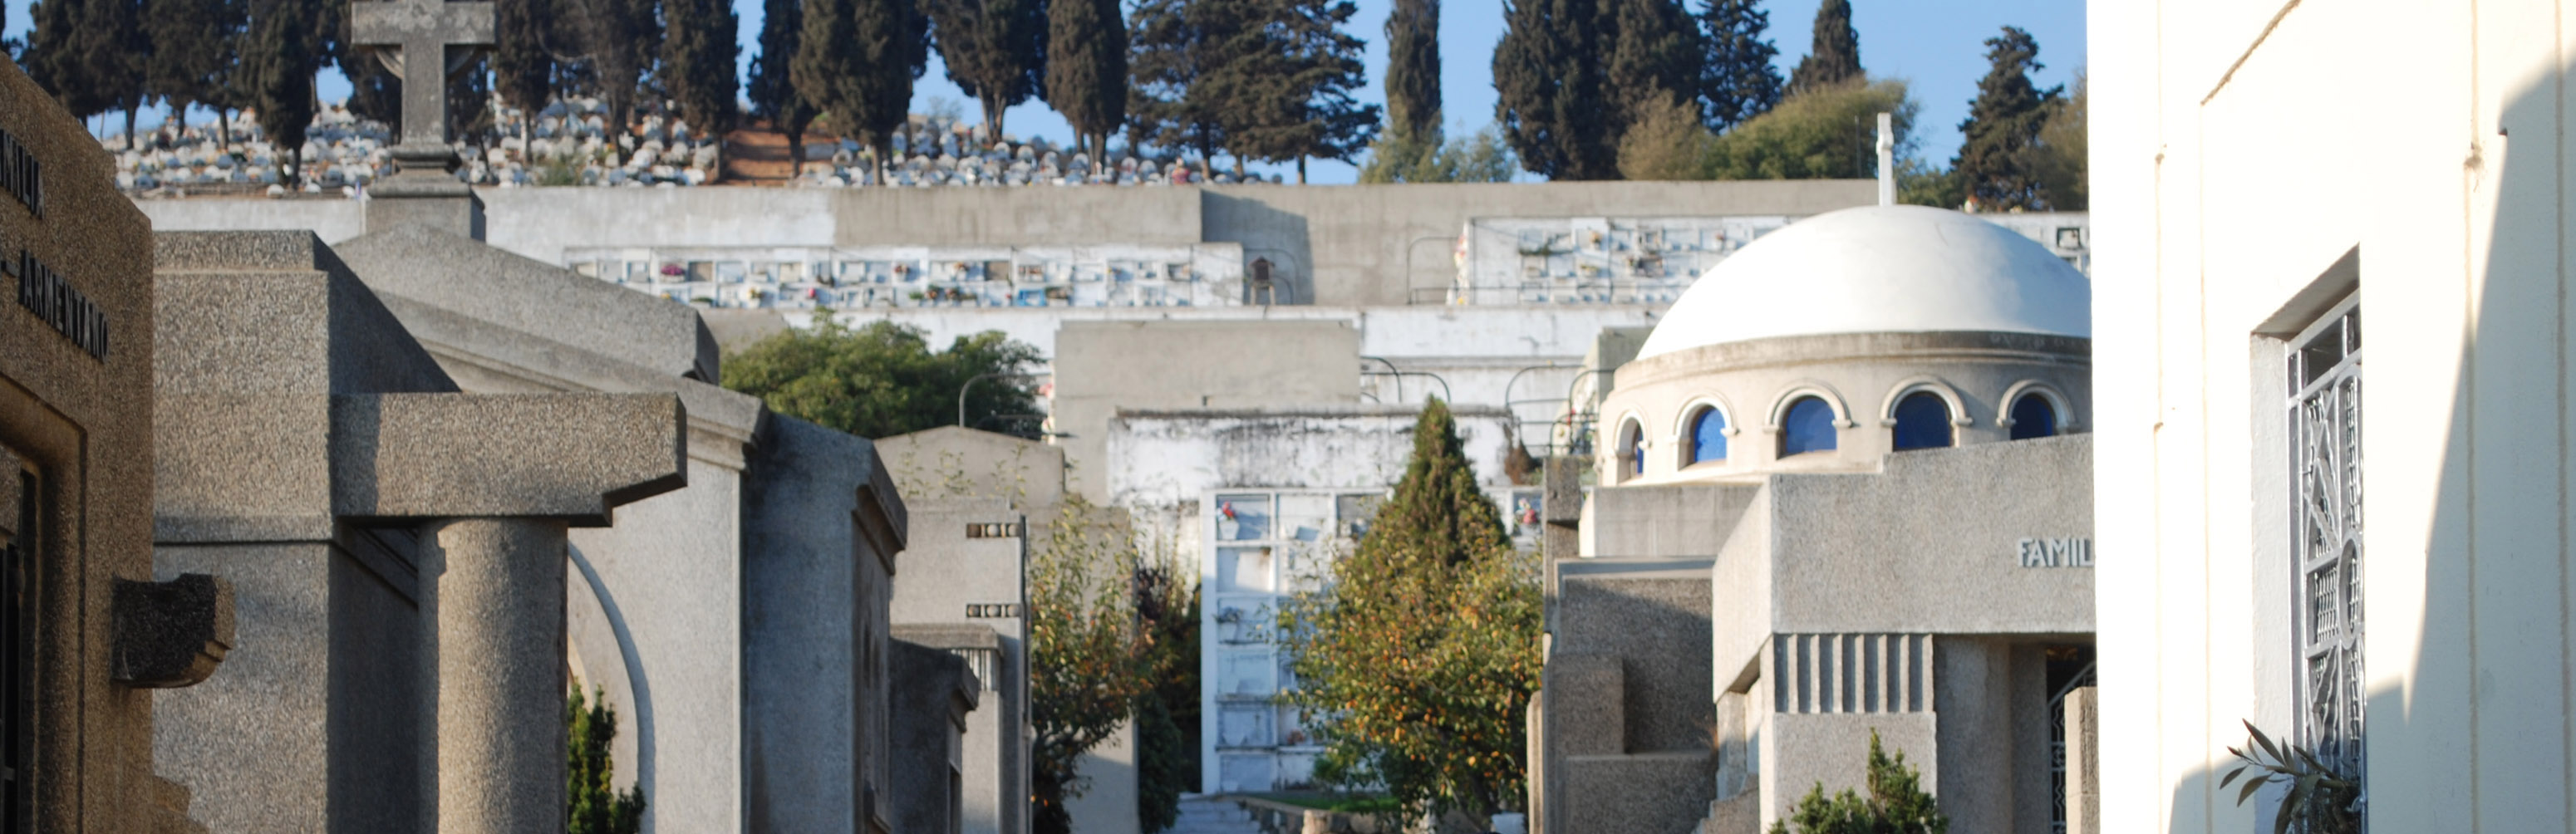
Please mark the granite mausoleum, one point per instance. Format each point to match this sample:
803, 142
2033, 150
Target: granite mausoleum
85, 630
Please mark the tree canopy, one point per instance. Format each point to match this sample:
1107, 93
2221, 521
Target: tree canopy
1817, 134
1549, 90
697, 72
1834, 59
994, 49
1089, 658
1415, 661
1285, 83
1086, 70
882, 379
773, 92
1997, 161
1740, 82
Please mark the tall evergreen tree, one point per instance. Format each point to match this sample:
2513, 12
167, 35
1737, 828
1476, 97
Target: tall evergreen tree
190, 39
1414, 660
1086, 69
52, 57
523, 68
279, 60
2003, 125
1549, 86
996, 50
1834, 59
773, 92
856, 61
616, 41
1173, 46
1652, 58
115, 54
1740, 82
698, 52
1286, 89
1413, 70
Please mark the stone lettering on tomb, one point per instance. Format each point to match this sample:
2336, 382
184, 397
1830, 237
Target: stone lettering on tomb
66, 310
2055, 553
21, 175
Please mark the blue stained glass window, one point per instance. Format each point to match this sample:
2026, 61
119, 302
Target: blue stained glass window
1808, 427
1708, 436
2032, 416
1922, 422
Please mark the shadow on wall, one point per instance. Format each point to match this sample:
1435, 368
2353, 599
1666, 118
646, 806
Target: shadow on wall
1265, 232
2474, 734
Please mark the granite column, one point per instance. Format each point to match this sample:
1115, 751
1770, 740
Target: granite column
501, 676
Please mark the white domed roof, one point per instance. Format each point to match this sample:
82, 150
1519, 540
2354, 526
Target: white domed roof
1876, 269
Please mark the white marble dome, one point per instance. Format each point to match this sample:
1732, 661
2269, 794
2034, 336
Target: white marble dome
1876, 269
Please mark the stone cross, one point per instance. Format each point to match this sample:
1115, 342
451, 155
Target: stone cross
418, 28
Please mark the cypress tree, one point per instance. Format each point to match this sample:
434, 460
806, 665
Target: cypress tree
52, 57
1653, 54
773, 93
2003, 125
856, 60
522, 68
1835, 57
618, 40
1547, 77
1413, 70
1740, 82
189, 39
279, 60
592, 804
996, 50
112, 52
1086, 69
698, 52
1285, 91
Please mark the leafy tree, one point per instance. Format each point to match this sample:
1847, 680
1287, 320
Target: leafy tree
1921, 183
1896, 804
1482, 156
192, 48
2058, 159
1286, 84
1416, 660
773, 92
2003, 126
1413, 70
1086, 69
1548, 81
522, 67
996, 50
1172, 46
1652, 58
1167, 714
698, 52
1834, 60
856, 61
594, 806
1087, 655
1740, 82
881, 379
1669, 143
1821, 134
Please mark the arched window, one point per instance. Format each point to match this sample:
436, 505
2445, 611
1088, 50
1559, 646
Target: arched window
1708, 435
1808, 426
2033, 416
1922, 422
1632, 450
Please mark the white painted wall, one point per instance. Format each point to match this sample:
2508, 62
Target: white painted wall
2240, 150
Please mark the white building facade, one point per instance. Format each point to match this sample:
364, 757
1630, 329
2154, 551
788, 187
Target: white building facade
2361, 547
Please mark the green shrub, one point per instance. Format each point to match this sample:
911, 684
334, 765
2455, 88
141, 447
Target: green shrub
1896, 804
595, 807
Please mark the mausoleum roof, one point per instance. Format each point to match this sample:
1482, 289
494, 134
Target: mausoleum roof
1878, 269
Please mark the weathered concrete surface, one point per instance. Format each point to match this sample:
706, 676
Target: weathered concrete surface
1101, 367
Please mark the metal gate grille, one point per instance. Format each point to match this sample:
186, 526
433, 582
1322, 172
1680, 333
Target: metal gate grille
2327, 623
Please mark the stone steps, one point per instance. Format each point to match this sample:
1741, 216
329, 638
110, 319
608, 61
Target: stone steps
1211, 815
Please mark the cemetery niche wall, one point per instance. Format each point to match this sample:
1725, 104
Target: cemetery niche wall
801, 278
86, 633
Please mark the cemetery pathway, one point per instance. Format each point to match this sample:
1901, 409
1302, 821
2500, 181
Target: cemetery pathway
1212, 815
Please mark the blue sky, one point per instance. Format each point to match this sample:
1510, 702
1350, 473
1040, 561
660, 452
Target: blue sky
1936, 44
